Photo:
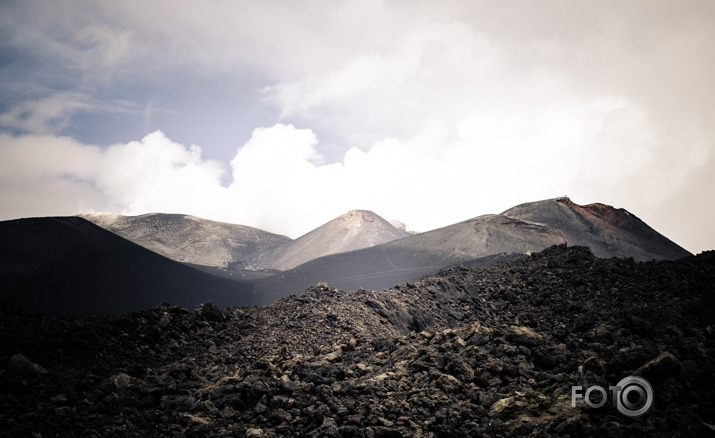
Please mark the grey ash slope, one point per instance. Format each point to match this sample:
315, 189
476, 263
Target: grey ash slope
193, 240
484, 240
354, 230
480, 241
608, 231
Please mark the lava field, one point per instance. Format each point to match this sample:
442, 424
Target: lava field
465, 352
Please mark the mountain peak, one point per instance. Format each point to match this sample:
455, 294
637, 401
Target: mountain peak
102, 219
355, 219
607, 230
350, 231
359, 215
359, 212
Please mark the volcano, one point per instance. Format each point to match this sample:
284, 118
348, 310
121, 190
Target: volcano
353, 230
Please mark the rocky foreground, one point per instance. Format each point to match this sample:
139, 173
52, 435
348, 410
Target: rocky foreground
465, 352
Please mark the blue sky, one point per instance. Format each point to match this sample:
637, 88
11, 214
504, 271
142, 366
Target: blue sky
285, 114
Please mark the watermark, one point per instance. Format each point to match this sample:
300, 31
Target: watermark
632, 396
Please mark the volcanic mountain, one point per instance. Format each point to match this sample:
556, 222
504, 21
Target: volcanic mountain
480, 241
608, 231
69, 266
355, 229
483, 240
193, 240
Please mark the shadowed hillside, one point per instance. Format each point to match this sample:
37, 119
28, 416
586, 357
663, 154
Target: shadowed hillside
69, 266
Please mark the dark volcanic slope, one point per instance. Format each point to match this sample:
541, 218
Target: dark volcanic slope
466, 352
69, 266
608, 231
189, 239
355, 229
488, 238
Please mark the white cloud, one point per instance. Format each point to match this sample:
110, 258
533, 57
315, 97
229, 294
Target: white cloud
435, 111
157, 174
49, 112
46, 175
435, 72
45, 115
437, 177
276, 185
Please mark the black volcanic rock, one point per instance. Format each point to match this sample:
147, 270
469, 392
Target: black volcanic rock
354, 230
351, 364
69, 266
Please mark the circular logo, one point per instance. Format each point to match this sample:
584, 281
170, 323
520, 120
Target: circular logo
635, 397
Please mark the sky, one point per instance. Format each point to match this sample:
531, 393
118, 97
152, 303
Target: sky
285, 114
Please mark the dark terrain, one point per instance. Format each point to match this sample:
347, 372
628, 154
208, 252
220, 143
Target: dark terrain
68, 266
464, 352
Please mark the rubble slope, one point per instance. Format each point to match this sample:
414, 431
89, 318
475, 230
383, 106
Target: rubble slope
465, 352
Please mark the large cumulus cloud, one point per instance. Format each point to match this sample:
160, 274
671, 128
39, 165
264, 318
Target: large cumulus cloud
425, 112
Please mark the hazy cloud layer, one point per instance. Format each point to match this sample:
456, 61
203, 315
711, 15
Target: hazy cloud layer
425, 112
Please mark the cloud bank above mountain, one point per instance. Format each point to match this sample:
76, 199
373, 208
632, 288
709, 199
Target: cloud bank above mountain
301, 111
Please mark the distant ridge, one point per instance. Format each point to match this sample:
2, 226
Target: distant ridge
353, 230
189, 239
480, 241
69, 266
484, 240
